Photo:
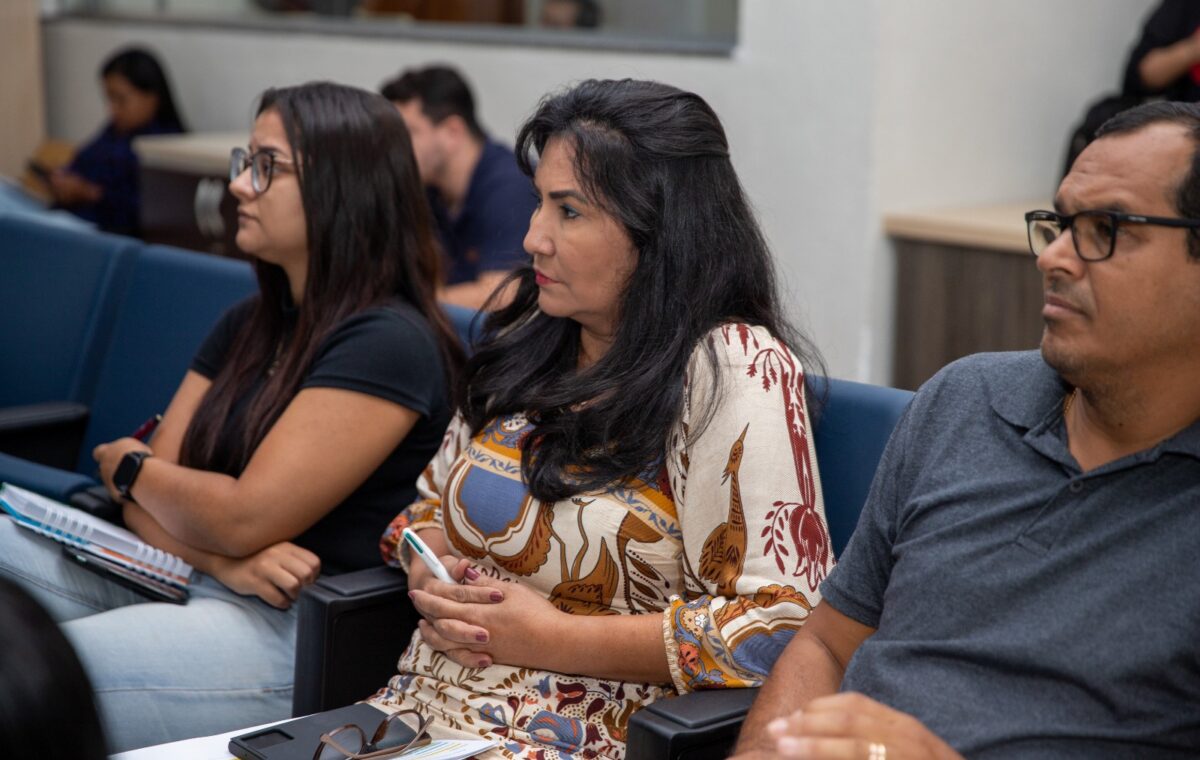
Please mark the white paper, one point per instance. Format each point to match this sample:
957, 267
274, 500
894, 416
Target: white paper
217, 748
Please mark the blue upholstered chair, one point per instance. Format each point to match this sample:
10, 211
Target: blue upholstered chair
468, 323
58, 300
169, 304
851, 431
341, 658
124, 357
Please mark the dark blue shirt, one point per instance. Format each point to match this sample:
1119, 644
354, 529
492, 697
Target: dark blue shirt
108, 160
1026, 609
488, 235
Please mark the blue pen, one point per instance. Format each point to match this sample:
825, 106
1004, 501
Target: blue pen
426, 554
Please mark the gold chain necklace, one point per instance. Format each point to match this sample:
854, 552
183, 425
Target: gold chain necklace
1068, 401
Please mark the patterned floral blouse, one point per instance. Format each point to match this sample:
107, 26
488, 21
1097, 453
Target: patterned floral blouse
727, 541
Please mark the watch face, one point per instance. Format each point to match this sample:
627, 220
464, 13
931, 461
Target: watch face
127, 471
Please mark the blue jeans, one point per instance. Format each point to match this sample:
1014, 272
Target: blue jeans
161, 671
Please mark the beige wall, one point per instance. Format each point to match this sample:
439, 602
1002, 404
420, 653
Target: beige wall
22, 113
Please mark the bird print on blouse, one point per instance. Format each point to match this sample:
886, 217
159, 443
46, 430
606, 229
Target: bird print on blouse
682, 542
645, 588
591, 594
725, 549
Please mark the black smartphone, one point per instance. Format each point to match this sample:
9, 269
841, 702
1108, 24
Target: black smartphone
152, 588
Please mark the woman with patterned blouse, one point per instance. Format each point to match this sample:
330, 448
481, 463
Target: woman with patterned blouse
629, 491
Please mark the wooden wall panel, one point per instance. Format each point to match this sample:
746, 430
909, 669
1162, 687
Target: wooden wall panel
22, 109
952, 301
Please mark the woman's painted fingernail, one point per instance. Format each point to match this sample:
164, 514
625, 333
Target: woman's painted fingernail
483, 662
481, 637
496, 596
472, 574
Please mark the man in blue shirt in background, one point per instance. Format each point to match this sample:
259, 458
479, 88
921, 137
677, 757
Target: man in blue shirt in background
480, 199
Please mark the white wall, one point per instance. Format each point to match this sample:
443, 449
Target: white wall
836, 112
976, 97
976, 101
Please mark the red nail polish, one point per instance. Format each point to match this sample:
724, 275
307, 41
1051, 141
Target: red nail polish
472, 574
481, 637
496, 596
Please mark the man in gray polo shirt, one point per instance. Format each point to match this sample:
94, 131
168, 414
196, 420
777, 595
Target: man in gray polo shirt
1025, 578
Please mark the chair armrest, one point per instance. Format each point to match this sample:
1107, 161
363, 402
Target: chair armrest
350, 630
49, 433
695, 726
48, 481
96, 501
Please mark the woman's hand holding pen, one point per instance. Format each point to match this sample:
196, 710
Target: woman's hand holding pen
427, 594
513, 629
108, 456
435, 575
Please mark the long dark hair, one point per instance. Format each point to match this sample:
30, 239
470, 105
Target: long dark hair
656, 158
141, 69
47, 708
369, 241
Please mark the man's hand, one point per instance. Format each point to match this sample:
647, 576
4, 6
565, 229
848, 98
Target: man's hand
854, 727
275, 574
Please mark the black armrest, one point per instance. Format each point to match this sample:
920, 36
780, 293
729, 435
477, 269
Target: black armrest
96, 501
49, 433
350, 631
696, 726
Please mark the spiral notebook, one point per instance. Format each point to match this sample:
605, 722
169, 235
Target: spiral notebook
89, 535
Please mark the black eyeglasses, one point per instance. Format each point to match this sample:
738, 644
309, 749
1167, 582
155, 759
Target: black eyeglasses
392, 737
261, 166
1093, 232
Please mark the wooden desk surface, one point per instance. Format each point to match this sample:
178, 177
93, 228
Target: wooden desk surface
1000, 227
204, 153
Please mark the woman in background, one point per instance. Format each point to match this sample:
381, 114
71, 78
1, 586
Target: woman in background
629, 488
101, 183
306, 417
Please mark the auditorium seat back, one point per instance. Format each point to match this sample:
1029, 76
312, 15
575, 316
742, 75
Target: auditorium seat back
58, 304
853, 428
167, 306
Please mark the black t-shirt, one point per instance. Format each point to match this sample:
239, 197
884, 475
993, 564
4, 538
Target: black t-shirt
389, 352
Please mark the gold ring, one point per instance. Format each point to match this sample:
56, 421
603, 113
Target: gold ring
876, 751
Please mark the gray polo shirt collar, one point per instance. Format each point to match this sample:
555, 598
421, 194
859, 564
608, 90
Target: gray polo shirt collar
1034, 402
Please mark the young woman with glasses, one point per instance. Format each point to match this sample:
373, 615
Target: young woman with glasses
307, 415
628, 493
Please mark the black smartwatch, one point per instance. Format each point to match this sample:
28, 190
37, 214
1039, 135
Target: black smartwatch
127, 472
